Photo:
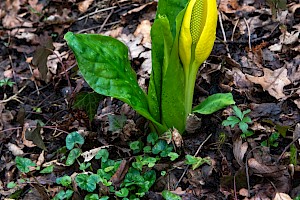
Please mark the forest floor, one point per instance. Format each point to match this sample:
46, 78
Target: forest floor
44, 98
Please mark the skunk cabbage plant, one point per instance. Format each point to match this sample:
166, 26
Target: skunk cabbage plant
183, 36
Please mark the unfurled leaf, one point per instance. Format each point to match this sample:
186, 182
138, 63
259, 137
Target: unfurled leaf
238, 112
88, 102
152, 138
47, 170
40, 56
214, 103
74, 153
64, 181
116, 122
103, 62
159, 147
170, 196
35, 137
92, 197
173, 156
122, 193
231, 121
196, 161
63, 195
87, 182
103, 154
23, 164
72, 139
11, 185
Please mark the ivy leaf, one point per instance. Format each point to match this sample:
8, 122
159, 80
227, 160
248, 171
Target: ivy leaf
64, 181
159, 146
74, 153
116, 122
87, 182
47, 170
122, 193
214, 103
88, 101
23, 164
196, 161
72, 139
102, 153
63, 194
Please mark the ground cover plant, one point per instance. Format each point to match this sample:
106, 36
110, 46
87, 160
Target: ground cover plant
60, 139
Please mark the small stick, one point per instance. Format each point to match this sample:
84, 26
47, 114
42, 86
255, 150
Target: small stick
249, 34
105, 21
95, 12
234, 28
224, 35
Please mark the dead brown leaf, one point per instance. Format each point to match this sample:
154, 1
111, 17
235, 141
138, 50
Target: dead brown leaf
118, 177
282, 196
144, 29
84, 5
239, 150
272, 81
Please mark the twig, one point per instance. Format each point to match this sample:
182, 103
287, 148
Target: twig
99, 26
234, 188
47, 127
95, 12
247, 169
187, 167
224, 35
105, 21
249, 34
234, 28
14, 97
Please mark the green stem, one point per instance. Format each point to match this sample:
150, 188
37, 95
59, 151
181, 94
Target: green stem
189, 88
190, 78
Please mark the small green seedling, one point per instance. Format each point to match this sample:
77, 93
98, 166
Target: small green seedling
6, 82
241, 120
271, 141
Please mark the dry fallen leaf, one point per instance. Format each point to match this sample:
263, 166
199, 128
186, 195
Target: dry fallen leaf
239, 150
84, 5
89, 155
282, 196
272, 81
14, 149
144, 29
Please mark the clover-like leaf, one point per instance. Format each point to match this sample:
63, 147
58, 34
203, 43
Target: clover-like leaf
72, 139
23, 164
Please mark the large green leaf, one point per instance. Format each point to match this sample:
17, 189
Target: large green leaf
173, 110
103, 62
161, 47
170, 9
214, 103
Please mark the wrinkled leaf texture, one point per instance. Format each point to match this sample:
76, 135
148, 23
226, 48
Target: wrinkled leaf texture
103, 62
